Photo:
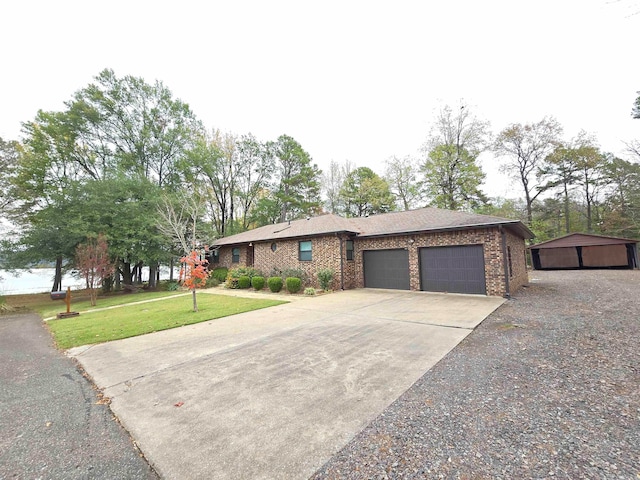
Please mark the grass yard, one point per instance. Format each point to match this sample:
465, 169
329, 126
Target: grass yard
133, 320
42, 304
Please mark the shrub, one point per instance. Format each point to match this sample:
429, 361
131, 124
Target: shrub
220, 274
257, 283
168, 285
310, 291
293, 284
244, 282
275, 284
290, 272
325, 277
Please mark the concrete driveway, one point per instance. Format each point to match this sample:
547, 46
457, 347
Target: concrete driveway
275, 393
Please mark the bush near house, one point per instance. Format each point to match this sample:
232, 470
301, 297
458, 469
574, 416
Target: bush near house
290, 272
235, 273
275, 284
220, 274
325, 277
310, 291
244, 282
293, 284
257, 283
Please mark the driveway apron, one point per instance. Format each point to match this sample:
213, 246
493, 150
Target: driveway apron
275, 393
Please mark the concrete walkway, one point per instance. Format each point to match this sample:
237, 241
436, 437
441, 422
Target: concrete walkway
276, 392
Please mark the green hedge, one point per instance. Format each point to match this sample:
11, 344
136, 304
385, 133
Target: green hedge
325, 277
244, 282
275, 284
293, 284
220, 274
257, 283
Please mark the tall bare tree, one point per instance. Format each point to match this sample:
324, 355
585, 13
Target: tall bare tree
401, 173
524, 148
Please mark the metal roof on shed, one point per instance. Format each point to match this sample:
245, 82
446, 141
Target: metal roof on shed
582, 240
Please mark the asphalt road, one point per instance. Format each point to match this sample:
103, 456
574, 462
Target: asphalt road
52, 422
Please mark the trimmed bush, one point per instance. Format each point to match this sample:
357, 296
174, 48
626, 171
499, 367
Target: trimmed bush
257, 283
290, 272
275, 284
325, 277
244, 282
211, 282
220, 274
310, 291
293, 284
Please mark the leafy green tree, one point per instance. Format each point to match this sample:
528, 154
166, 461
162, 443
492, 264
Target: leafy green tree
132, 127
560, 170
590, 165
364, 193
9, 155
297, 184
402, 176
524, 148
622, 206
452, 178
255, 164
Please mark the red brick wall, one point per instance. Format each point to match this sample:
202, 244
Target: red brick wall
519, 274
326, 254
490, 238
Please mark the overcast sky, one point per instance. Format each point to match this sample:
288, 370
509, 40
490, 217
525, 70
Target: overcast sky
356, 80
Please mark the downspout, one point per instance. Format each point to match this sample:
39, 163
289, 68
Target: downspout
505, 262
341, 261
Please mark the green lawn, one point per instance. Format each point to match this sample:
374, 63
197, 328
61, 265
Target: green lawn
42, 304
132, 320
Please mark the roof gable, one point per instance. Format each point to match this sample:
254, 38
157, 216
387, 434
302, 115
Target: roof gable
582, 240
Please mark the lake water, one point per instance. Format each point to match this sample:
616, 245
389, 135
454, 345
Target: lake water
40, 280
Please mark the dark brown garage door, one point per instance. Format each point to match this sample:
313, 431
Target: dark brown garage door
458, 269
386, 269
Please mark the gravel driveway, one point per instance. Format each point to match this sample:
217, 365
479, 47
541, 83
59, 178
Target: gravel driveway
547, 387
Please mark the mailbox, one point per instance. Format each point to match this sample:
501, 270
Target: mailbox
60, 295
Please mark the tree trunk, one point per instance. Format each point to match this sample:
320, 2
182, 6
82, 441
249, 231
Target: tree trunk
127, 274
567, 220
171, 269
195, 303
153, 271
57, 278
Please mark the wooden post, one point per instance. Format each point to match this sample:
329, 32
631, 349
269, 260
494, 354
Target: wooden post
68, 299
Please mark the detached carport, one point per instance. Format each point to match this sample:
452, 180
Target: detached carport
582, 250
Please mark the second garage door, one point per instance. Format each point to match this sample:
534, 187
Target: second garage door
386, 269
456, 269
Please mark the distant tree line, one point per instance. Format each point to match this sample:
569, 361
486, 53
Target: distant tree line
128, 162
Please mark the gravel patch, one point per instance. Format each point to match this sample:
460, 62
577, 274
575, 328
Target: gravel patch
548, 386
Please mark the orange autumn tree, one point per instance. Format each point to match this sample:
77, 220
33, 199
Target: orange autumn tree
195, 274
94, 264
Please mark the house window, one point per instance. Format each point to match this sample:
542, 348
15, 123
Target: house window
304, 251
215, 256
349, 249
509, 261
235, 255
274, 247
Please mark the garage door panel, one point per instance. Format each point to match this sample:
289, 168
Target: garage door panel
386, 269
454, 269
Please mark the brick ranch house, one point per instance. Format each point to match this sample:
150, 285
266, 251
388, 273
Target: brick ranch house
426, 249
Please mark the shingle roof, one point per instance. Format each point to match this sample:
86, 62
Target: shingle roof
412, 221
582, 240
322, 225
